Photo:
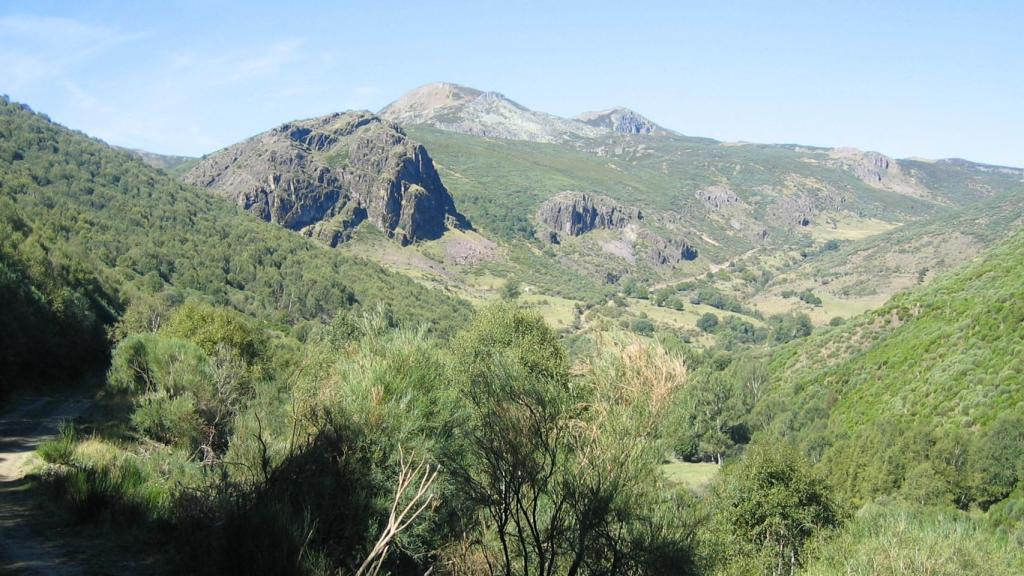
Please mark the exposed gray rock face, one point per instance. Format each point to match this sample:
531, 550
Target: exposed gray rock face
718, 197
878, 170
793, 211
621, 120
468, 111
325, 175
667, 252
575, 213
873, 167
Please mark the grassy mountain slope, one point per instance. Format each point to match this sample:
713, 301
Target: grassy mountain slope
736, 204
862, 274
85, 223
872, 399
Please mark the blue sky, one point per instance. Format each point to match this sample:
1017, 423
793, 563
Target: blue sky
931, 79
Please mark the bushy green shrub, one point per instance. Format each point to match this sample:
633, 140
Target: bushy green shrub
61, 449
168, 419
707, 322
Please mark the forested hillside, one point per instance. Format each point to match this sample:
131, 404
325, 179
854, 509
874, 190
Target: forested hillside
89, 230
921, 396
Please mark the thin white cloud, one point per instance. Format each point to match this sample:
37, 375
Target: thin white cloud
165, 110
236, 66
38, 49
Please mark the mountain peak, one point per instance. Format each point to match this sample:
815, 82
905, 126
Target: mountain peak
426, 100
470, 111
621, 120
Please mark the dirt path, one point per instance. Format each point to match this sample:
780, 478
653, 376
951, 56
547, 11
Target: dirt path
29, 540
28, 423
38, 537
33, 541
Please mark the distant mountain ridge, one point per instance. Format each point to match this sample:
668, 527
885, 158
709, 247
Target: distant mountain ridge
166, 162
470, 111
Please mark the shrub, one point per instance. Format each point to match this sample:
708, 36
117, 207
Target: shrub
171, 420
809, 297
708, 322
642, 326
61, 449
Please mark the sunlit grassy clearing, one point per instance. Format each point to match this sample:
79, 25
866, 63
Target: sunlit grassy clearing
694, 475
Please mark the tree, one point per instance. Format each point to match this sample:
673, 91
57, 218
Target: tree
510, 290
558, 465
710, 411
771, 504
997, 459
708, 322
789, 327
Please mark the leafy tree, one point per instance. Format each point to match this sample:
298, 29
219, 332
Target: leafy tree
510, 290
997, 459
707, 322
809, 297
769, 504
789, 327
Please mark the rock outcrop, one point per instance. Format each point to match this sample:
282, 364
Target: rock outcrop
793, 211
325, 175
669, 252
877, 170
576, 213
718, 197
469, 111
622, 121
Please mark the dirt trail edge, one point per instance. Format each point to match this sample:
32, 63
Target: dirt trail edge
29, 543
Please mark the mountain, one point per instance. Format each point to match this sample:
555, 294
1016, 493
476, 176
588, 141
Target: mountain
88, 231
622, 121
772, 212
326, 175
575, 208
470, 111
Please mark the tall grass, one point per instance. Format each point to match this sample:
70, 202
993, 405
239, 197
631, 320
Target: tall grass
895, 540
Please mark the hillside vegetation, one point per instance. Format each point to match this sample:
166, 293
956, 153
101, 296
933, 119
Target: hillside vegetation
922, 394
273, 405
88, 230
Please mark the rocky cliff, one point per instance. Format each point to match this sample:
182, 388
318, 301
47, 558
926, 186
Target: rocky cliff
877, 170
667, 252
622, 121
325, 175
575, 213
